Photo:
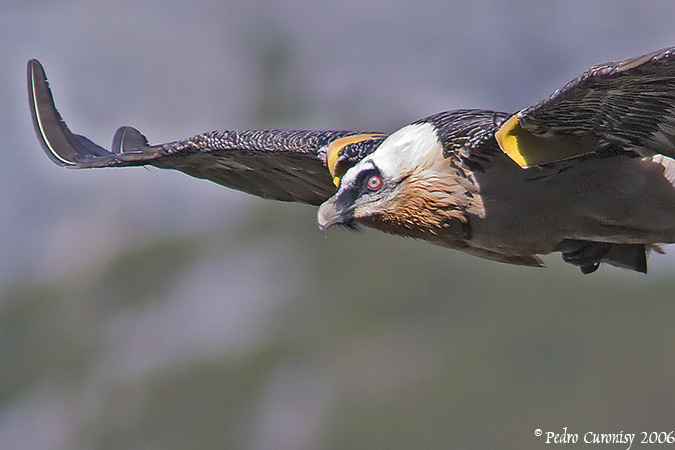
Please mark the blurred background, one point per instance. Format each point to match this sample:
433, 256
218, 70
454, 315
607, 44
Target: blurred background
143, 309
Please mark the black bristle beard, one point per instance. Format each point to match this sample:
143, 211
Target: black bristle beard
351, 225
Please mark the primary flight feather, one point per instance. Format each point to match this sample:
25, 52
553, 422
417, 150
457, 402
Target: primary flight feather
587, 172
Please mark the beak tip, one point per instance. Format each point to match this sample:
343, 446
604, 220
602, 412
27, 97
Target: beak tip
322, 230
327, 216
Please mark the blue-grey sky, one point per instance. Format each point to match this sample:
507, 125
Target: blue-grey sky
173, 69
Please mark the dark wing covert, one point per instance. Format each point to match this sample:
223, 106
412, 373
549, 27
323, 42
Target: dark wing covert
630, 103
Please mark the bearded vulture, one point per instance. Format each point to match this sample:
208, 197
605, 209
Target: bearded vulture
588, 172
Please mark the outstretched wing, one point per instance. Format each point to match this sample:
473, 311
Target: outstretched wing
630, 103
287, 165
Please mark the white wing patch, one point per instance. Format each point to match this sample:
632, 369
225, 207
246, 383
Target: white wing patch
668, 166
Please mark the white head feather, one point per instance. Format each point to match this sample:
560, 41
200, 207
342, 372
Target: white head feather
403, 150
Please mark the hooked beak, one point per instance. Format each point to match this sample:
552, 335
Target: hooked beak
327, 216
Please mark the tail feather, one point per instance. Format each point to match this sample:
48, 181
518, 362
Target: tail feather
627, 256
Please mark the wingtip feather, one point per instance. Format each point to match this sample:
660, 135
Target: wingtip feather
43, 111
128, 140
61, 145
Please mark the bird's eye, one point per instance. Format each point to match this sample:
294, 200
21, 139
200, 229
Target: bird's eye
374, 182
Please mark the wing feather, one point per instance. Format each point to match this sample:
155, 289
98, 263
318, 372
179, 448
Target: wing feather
287, 165
629, 102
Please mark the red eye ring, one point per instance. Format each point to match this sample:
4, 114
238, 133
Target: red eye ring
374, 182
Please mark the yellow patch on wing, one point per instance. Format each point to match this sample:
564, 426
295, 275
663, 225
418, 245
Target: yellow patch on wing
527, 149
334, 148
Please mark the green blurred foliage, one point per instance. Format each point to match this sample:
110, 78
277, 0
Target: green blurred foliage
413, 346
